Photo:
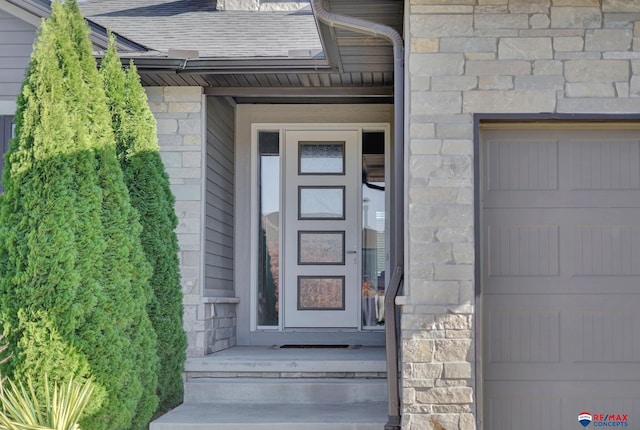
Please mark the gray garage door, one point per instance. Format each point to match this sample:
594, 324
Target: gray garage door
561, 279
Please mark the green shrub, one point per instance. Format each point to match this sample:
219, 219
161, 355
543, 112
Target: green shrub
73, 277
144, 173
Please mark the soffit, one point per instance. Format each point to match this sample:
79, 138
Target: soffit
256, 54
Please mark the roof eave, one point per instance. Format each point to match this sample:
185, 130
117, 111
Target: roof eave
148, 64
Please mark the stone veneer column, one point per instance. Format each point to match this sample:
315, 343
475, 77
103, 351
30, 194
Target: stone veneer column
485, 56
179, 113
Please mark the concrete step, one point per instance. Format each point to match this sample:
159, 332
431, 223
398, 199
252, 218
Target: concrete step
265, 388
247, 360
285, 390
274, 416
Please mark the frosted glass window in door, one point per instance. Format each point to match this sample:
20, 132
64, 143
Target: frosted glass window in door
321, 202
321, 158
320, 247
320, 293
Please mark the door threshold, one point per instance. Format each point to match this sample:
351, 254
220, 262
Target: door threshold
304, 346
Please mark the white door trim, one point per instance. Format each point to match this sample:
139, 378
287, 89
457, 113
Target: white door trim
281, 128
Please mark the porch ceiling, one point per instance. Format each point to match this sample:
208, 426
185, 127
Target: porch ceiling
256, 56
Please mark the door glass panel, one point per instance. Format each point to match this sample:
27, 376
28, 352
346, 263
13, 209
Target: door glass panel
373, 229
318, 158
269, 228
321, 247
321, 203
321, 293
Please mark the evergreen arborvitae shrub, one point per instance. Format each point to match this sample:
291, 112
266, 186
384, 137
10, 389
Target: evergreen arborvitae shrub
51, 235
137, 145
73, 277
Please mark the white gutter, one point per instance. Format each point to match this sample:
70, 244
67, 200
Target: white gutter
397, 196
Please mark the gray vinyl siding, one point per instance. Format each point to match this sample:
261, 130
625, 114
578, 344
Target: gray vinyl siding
219, 197
16, 42
5, 136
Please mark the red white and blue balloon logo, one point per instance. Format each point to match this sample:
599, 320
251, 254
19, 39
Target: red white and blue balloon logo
585, 419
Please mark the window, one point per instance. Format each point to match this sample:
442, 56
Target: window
374, 228
269, 227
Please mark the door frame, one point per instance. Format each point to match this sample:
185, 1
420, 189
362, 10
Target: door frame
269, 335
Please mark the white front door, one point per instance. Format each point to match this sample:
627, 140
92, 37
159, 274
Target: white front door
321, 285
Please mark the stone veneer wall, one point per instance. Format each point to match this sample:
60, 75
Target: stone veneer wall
485, 56
179, 113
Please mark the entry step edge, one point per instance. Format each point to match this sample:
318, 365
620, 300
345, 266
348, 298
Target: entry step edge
267, 360
245, 416
291, 391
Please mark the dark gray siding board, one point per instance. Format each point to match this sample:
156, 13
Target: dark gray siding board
218, 206
216, 235
5, 136
225, 217
217, 248
16, 43
224, 156
11, 51
220, 170
219, 262
23, 37
13, 75
10, 89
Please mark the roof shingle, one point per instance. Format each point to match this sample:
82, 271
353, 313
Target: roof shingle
197, 25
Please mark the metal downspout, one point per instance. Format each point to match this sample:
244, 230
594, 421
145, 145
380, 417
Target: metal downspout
397, 197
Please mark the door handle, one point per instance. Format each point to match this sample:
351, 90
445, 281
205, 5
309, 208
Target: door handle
352, 252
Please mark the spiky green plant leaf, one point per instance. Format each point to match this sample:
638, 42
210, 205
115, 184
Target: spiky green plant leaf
59, 407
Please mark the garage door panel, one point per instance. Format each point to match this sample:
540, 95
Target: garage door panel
555, 160
605, 249
518, 163
523, 250
597, 243
598, 333
564, 390
523, 336
624, 215
570, 285
557, 199
556, 405
564, 303
603, 163
556, 372
604, 335
522, 413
